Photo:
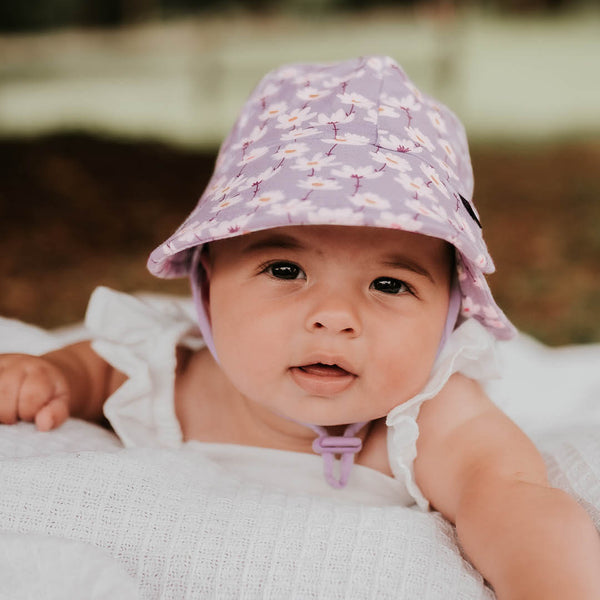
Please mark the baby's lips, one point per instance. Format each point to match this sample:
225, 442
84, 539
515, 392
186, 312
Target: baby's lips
329, 364
326, 370
321, 379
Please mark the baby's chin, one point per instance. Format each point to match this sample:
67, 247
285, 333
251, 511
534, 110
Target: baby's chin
322, 411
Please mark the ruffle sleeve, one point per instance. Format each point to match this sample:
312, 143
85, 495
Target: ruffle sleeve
470, 350
139, 338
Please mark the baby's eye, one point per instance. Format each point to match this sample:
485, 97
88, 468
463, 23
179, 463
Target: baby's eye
389, 285
285, 270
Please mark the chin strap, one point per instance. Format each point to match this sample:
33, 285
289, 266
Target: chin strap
346, 446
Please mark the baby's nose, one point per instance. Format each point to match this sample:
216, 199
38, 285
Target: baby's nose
335, 314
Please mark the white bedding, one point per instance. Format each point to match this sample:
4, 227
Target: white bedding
81, 517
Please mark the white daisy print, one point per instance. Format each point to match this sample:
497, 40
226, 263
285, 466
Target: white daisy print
419, 138
402, 221
338, 117
288, 72
315, 162
269, 197
191, 232
225, 202
291, 150
445, 144
414, 184
469, 307
309, 78
168, 249
333, 82
244, 120
460, 269
437, 121
297, 134
457, 241
295, 118
390, 141
256, 134
356, 100
273, 110
446, 168
477, 280
436, 212
336, 215
351, 139
291, 207
225, 186
269, 90
257, 179
252, 154
461, 224
383, 110
415, 90
392, 160
370, 201
356, 75
490, 312
376, 63
434, 177
481, 262
357, 173
410, 102
319, 183
235, 226
495, 323
406, 103
311, 93
367, 172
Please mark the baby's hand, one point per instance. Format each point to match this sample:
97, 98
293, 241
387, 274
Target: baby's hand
32, 389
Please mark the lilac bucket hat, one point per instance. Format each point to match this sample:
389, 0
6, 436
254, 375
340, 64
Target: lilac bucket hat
347, 143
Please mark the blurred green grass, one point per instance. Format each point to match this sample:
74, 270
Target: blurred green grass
77, 211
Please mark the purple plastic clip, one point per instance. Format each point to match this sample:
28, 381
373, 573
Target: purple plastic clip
345, 446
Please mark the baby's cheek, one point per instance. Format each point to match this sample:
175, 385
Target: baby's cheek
247, 359
403, 378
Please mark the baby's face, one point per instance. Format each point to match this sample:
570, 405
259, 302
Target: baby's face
329, 324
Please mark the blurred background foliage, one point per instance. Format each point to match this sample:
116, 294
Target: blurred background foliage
111, 112
36, 15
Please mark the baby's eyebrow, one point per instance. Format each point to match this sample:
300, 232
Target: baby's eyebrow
399, 261
274, 242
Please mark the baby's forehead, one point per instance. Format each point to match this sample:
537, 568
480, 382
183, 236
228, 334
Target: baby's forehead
357, 242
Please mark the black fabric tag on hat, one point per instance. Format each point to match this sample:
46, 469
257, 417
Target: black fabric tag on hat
470, 210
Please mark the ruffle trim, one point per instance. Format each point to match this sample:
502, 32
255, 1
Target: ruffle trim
471, 350
140, 339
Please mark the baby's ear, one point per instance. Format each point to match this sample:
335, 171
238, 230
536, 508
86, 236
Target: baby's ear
204, 278
205, 260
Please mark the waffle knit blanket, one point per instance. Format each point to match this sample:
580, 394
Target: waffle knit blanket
82, 517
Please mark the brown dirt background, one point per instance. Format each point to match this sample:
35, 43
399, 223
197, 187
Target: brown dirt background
77, 211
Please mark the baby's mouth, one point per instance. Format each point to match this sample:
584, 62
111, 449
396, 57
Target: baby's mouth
321, 379
323, 370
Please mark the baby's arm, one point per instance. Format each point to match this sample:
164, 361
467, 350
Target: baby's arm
478, 468
72, 381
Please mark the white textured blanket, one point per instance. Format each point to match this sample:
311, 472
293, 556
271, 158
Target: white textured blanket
81, 517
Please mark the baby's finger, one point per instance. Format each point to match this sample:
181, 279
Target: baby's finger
37, 389
52, 415
10, 384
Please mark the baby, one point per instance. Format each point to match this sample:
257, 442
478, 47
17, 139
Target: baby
336, 262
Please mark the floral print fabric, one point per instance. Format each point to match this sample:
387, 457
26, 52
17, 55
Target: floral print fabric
348, 143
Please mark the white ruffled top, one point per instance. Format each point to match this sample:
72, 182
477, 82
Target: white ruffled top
139, 337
